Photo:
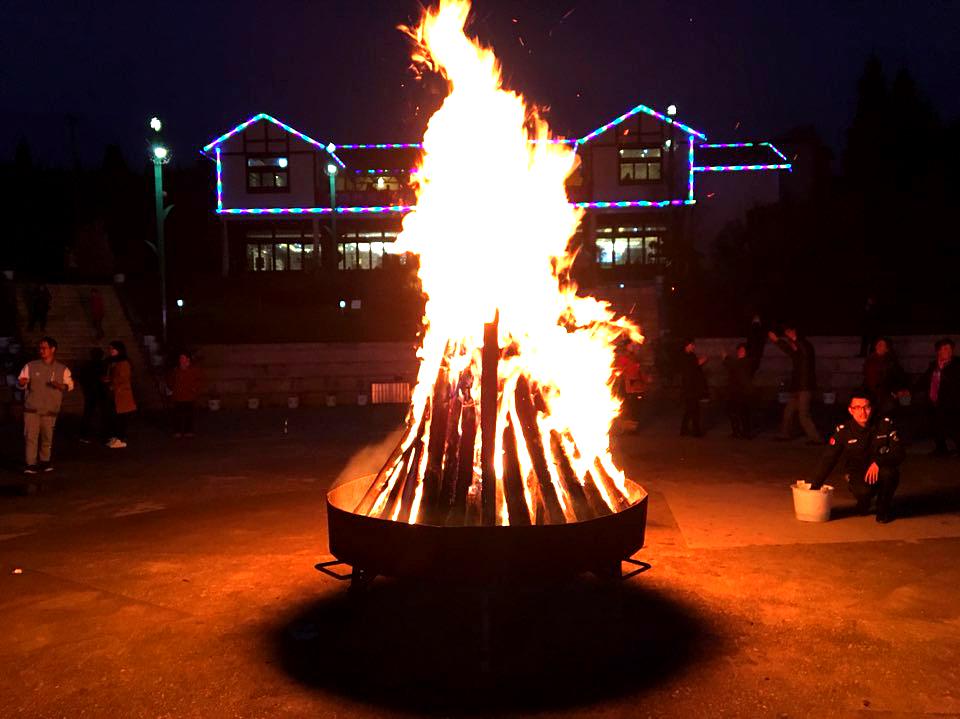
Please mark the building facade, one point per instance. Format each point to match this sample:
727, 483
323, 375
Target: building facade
289, 202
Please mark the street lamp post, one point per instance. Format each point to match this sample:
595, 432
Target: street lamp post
160, 156
332, 174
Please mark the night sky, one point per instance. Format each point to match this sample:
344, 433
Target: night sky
338, 69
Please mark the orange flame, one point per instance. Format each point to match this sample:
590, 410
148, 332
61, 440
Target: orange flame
491, 227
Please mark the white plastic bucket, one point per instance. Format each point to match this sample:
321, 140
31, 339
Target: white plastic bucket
812, 505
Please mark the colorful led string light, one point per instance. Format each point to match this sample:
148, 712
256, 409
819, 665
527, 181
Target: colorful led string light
739, 168
690, 172
264, 116
721, 145
408, 208
219, 182
641, 108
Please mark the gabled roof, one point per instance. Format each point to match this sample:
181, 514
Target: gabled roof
644, 109
329, 148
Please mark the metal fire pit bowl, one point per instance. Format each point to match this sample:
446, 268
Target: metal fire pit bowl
479, 554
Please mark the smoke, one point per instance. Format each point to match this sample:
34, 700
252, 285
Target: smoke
369, 459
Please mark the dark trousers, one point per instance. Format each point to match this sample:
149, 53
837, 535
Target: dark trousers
944, 425
118, 425
883, 489
738, 409
183, 416
690, 424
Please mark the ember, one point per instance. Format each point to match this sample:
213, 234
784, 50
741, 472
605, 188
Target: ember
509, 422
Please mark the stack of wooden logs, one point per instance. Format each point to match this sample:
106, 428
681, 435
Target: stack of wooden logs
452, 493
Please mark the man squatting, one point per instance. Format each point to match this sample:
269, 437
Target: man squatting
872, 453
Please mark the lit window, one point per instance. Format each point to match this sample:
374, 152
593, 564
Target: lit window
641, 164
268, 173
630, 246
279, 250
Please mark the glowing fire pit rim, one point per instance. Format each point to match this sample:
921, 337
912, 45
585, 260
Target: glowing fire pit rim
374, 546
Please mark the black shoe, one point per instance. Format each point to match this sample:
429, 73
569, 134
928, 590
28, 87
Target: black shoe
31, 469
46, 467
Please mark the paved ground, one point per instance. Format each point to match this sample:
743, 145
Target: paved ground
176, 579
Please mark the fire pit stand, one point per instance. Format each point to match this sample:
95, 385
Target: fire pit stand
479, 554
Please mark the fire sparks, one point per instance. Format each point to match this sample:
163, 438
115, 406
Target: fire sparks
509, 422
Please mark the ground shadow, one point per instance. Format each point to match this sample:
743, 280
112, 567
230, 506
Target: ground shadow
434, 650
944, 499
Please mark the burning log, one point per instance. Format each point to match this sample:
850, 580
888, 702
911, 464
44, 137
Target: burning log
440, 406
613, 492
568, 478
410, 483
519, 513
464, 476
489, 391
527, 414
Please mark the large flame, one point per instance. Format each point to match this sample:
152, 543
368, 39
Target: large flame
491, 227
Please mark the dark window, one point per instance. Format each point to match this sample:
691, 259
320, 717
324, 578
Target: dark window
640, 164
268, 173
366, 250
630, 246
279, 250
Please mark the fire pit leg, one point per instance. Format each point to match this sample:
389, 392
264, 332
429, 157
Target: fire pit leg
360, 580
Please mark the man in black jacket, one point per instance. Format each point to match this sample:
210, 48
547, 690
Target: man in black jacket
872, 454
693, 387
803, 381
939, 388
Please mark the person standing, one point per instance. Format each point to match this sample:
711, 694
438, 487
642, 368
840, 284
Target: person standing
884, 377
803, 382
693, 388
872, 454
45, 381
184, 382
756, 342
97, 311
940, 389
39, 308
739, 391
119, 380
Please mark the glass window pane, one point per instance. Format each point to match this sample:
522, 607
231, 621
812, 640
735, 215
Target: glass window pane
350, 256
604, 251
280, 179
363, 249
653, 171
253, 179
626, 171
619, 251
376, 254
296, 256
266, 252
640, 171
280, 257
252, 252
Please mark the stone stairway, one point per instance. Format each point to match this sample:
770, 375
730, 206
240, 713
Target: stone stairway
70, 324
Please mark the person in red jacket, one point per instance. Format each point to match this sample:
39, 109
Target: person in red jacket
184, 383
